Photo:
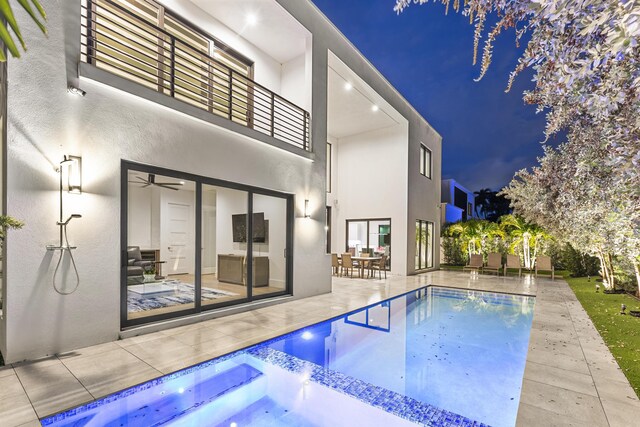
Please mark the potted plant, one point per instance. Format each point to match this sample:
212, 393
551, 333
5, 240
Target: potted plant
149, 274
7, 223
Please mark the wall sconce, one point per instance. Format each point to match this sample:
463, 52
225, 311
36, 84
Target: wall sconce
307, 214
73, 166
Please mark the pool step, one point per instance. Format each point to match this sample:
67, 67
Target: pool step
180, 402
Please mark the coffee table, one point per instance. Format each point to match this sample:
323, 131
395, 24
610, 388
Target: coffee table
158, 287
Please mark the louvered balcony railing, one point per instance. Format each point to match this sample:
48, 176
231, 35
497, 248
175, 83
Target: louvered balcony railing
126, 44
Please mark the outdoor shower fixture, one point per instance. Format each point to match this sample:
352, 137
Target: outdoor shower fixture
71, 165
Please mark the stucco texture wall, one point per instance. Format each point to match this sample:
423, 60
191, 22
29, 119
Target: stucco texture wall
106, 126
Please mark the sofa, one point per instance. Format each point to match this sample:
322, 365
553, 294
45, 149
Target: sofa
136, 266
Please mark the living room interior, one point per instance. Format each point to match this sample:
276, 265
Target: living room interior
161, 243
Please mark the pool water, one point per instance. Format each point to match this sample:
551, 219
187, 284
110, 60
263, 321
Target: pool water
435, 356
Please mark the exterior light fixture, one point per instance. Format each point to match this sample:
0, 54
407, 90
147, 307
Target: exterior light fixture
348, 86
252, 19
375, 108
307, 214
76, 91
73, 166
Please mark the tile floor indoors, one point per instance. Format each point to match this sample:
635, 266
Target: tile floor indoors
570, 379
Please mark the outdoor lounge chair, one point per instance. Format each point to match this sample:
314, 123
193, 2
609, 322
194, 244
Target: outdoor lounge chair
543, 263
475, 263
494, 263
513, 261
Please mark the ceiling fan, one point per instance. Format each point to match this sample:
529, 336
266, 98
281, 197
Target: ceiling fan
151, 180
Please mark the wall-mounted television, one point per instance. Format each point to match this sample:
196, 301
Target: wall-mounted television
239, 223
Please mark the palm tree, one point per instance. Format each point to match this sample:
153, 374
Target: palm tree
482, 200
475, 234
7, 17
524, 234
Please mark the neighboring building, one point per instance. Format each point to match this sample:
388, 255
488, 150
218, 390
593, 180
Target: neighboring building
458, 203
199, 154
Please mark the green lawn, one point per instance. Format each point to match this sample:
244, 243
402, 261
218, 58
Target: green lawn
621, 333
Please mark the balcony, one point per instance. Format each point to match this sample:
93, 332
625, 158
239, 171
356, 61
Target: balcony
178, 61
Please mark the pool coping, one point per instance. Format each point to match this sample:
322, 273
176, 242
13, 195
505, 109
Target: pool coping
425, 409
547, 391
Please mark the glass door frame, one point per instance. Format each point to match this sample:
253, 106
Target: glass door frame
368, 221
126, 167
429, 244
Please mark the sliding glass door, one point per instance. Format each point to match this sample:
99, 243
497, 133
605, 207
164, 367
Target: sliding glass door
269, 265
192, 243
224, 245
424, 245
160, 268
369, 236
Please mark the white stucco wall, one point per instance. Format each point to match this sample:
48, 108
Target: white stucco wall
294, 82
424, 193
422, 199
371, 182
104, 127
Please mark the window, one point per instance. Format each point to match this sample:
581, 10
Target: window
141, 41
327, 229
425, 161
195, 243
372, 236
424, 244
329, 152
469, 210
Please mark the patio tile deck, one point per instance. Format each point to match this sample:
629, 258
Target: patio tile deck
571, 378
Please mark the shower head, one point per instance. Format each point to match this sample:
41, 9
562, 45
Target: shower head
65, 159
69, 219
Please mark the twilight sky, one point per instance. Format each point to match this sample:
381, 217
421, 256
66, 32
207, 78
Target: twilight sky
487, 134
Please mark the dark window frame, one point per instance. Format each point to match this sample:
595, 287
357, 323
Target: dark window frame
419, 223
329, 166
426, 163
217, 43
368, 221
199, 181
328, 228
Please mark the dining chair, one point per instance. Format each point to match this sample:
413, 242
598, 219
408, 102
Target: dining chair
347, 264
361, 263
380, 265
335, 264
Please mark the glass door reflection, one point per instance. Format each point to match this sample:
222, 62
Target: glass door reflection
269, 266
224, 245
160, 269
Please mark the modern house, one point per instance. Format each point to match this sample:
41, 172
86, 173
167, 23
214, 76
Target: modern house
178, 160
458, 203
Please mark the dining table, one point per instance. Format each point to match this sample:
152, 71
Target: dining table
362, 260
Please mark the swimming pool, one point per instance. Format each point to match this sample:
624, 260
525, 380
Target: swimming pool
434, 356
